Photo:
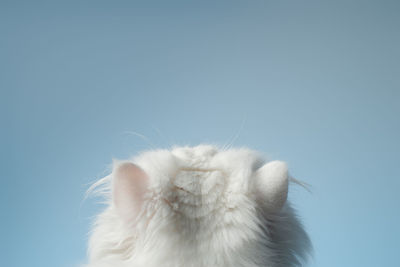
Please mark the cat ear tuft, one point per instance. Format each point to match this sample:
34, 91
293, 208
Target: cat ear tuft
128, 188
272, 182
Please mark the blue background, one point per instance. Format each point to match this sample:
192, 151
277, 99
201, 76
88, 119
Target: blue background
314, 83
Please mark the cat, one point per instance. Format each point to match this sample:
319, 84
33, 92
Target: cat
196, 207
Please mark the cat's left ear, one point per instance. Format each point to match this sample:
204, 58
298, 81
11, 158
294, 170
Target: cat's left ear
272, 181
129, 184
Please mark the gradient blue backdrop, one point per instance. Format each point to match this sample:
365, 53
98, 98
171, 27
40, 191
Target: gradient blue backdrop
314, 83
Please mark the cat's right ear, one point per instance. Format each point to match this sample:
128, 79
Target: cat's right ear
129, 184
272, 181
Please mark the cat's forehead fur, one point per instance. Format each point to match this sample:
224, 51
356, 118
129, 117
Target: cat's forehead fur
195, 182
164, 164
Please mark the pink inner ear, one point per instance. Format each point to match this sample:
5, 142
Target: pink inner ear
129, 187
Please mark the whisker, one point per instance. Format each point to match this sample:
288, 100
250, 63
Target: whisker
305, 185
143, 137
232, 140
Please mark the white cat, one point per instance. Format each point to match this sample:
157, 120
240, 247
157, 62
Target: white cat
197, 207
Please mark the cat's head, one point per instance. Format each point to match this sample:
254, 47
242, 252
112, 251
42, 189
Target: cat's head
195, 183
230, 205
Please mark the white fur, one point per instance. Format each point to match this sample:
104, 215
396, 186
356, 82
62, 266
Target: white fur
203, 207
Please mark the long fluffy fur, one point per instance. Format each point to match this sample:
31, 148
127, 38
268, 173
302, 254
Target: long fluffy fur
196, 218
